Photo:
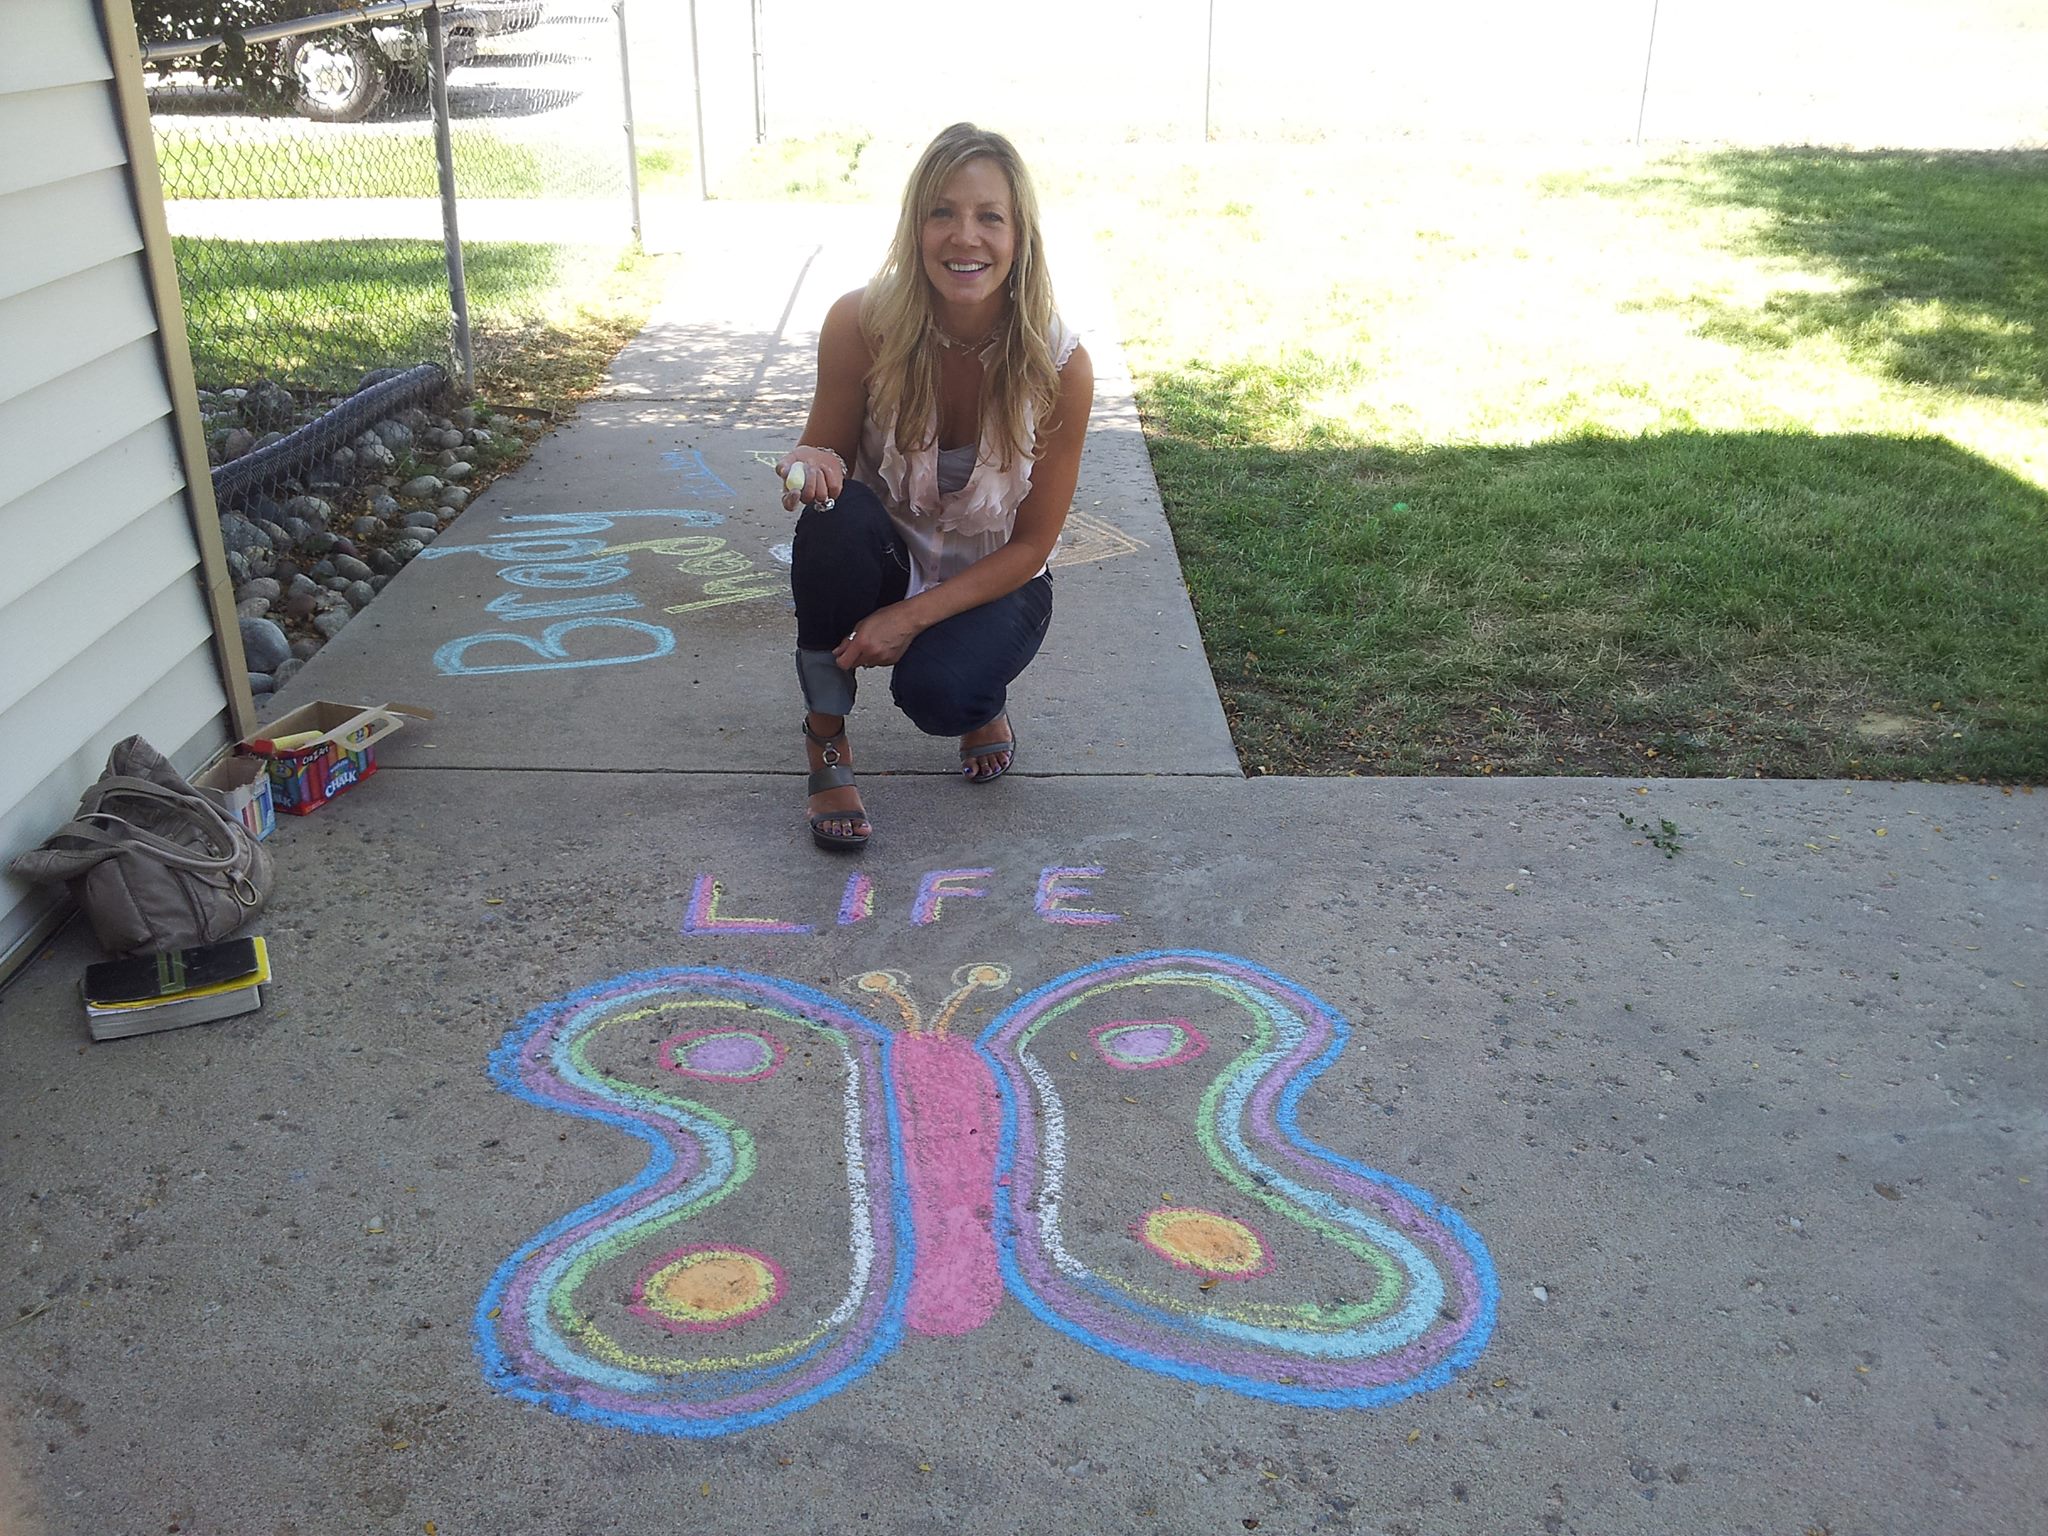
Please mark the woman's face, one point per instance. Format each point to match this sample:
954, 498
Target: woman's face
969, 241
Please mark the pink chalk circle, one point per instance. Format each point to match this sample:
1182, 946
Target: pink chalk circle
705, 1288
1207, 1242
723, 1055
1137, 1045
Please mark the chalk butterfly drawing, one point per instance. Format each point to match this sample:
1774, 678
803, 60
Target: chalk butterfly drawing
959, 1170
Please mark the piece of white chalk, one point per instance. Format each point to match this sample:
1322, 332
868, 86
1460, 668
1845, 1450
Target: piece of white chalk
795, 478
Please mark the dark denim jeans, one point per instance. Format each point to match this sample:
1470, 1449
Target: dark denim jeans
954, 677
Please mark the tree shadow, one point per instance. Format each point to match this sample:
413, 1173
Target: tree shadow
1943, 257
1695, 602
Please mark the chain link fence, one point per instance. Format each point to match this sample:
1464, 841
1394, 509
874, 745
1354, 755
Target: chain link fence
360, 235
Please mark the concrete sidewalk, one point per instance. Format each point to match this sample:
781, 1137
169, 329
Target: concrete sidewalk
1122, 1146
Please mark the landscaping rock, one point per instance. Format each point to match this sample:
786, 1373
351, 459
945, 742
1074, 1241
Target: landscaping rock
306, 649
264, 644
238, 566
351, 567
459, 470
343, 463
330, 621
238, 533
267, 405
420, 485
396, 436
366, 526
422, 518
455, 498
359, 594
372, 457
301, 585
404, 549
384, 563
311, 508
252, 607
261, 682
285, 673
264, 587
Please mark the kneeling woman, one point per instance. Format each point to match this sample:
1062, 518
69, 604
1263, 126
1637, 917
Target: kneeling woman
960, 400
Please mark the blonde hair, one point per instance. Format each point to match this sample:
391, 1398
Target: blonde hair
1019, 370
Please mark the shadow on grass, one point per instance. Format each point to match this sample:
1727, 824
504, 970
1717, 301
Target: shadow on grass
1771, 603
1943, 257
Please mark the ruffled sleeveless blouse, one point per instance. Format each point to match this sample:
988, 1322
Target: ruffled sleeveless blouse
954, 507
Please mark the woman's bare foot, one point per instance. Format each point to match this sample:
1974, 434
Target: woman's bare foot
836, 814
985, 754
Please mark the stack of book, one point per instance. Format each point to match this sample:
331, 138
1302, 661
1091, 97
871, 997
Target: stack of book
145, 993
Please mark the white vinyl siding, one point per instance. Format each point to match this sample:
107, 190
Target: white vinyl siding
105, 630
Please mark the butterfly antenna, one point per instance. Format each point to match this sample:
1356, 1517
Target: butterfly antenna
895, 986
966, 981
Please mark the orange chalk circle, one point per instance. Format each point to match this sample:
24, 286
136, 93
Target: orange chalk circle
1205, 1241
696, 1290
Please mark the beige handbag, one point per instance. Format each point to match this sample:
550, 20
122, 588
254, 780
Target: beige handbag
156, 864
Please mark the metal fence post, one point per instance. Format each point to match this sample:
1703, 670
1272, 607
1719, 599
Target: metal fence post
1208, 70
697, 90
1643, 102
444, 159
626, 96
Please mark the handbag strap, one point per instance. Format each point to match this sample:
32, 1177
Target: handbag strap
117, 784
141, 840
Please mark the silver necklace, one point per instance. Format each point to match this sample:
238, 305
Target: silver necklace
955, 344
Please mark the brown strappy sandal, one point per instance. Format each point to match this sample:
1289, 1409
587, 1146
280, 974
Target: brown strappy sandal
834, 775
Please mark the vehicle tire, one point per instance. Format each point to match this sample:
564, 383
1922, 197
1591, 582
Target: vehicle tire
335, 76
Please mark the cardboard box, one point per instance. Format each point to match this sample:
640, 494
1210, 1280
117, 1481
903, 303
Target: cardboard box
245, 784
318, 750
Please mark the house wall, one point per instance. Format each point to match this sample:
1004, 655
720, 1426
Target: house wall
115, 615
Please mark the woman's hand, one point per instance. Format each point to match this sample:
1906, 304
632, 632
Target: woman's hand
824, 476
880, 639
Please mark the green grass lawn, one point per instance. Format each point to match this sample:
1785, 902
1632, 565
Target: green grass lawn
240, 158
546, 319
1732, 463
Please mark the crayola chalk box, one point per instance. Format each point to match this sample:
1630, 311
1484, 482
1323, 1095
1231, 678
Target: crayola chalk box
318, 750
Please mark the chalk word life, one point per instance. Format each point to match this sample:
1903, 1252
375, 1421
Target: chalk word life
1057, 900
746, 1273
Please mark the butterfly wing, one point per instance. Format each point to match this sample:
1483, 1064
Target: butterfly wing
1202, 1235
648, 1308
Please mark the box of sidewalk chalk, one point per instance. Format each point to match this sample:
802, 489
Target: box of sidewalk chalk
245, 783
318, 750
